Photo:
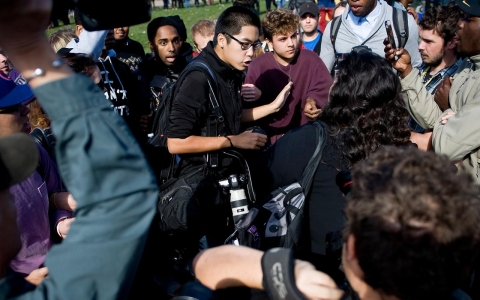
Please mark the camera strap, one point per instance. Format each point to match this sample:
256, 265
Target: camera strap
212, 122
278, 275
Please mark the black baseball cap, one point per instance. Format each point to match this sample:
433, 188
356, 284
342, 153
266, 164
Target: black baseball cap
471, 7
308, 7
18, 159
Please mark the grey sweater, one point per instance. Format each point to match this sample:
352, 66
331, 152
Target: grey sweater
346, 38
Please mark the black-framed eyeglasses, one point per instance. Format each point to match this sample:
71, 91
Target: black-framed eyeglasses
11, 109
245, 46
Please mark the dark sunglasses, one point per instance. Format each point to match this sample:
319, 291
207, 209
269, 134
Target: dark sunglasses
11, 109
245, 46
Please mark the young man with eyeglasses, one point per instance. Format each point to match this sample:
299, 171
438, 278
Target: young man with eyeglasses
286, 64
228, 55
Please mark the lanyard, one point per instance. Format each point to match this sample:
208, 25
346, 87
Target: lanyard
433, 76
425, 73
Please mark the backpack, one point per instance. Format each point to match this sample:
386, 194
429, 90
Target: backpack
46, 139
278, 220
400, 25
160, 160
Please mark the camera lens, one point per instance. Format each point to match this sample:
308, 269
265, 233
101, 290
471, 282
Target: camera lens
239, 204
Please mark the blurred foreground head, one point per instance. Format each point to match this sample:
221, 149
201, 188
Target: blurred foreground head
412, 227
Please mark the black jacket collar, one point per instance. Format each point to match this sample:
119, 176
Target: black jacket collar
224, 70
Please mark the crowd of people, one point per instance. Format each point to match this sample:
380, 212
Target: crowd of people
125, 173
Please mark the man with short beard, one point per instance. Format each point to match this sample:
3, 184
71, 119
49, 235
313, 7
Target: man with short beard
455, 130
437, 48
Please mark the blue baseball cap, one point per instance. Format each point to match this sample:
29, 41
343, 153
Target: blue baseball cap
12, 94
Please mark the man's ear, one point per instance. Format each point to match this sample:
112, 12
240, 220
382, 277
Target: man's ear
269, 43
150, 45
351, 253
451, 45
351, 258
78, 30
221, 40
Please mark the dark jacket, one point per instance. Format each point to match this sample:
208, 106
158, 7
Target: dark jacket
190, 108
131, 53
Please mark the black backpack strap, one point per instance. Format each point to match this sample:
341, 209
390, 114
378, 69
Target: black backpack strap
334, 28
400, 24
307, 176
45, 138
216, 116
177, 80
318, 46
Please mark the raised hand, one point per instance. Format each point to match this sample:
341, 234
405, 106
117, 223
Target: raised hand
399, 58
278, 103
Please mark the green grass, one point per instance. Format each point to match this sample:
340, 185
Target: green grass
189, 16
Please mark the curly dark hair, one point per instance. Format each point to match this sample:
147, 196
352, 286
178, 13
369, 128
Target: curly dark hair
415, 221
279, 21
365, 110
443, 20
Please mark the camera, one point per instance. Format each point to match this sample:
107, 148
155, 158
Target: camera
361, 48
108, 14
238, 198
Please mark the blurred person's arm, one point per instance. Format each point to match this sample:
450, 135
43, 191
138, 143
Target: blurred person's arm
235, 266
100, 163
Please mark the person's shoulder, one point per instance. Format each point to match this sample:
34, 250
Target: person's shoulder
387, 11
307, 54
193, 82
311, 60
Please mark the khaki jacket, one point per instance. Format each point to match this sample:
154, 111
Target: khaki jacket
459, 138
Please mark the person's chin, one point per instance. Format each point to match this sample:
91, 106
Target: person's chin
290, 53
240, 67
